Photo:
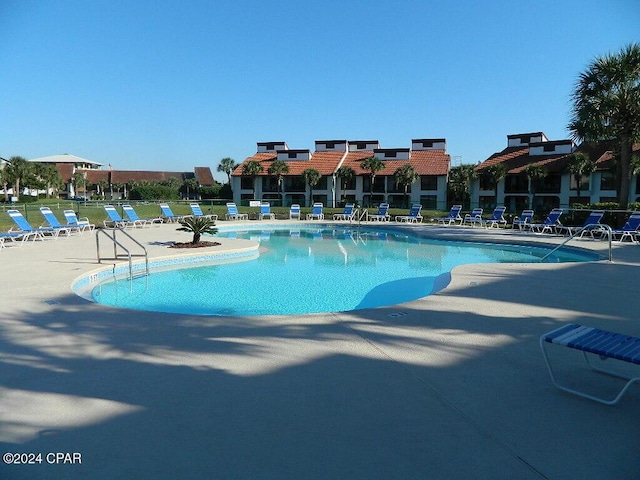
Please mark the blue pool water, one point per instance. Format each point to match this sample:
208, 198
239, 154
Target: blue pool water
312, 270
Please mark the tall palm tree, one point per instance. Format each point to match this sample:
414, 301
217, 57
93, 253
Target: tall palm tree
496, 172
535, 173
459, 182
405, 176
373, 165
77, 179
252, 169
50, 177
227, 165
311, 177
279, 169
18, 171
606, 105
191, 187
4, 183
345, 174
580, 165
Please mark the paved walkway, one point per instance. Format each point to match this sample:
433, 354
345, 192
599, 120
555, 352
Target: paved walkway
452, 386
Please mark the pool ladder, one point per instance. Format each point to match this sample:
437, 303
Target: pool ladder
593, 226
126, 251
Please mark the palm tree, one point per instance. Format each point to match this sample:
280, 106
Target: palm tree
198, 226
227, 165
580, 165
311, 177
4, 182
374, 165
190, 186
278, 169
50, 176
76, 180
18, 171
496, 172
345, 174
102, 186
535, 173
459, 182
252, 169
405, 176
606, 105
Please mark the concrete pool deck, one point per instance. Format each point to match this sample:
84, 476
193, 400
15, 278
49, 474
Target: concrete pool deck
452, 386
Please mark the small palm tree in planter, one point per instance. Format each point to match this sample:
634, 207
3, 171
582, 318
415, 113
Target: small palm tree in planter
199, 226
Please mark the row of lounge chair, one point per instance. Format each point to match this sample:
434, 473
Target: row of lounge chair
350, 211
551, 224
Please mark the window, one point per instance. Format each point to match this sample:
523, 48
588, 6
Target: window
427, 144
428, 182
246, 183
516, 183
549, 184
549, 148
292, 155
269, 184
486, 182
584, 183
607, 181
378, 185
390, 154
294, 184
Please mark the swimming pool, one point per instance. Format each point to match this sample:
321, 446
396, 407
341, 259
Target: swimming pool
314, 269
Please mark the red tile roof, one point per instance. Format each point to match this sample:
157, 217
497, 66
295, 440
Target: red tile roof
325, 162
425, 162
517, 159
124, 176
204, 176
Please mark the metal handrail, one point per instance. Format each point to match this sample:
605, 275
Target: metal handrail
605, 228
117, 244
364, 213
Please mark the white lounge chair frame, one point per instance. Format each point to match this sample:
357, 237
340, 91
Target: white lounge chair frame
594, 342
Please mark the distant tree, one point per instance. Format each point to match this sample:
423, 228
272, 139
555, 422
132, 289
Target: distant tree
459, 182
580, 165
18, 170
405, 176
49, 176
4, 182
535, 173
252, 169
496, 173
279, 169
102, 188
606, 105
227, 165
373, 165
345, 174
77, 179
190, 187
198, 226
311, 177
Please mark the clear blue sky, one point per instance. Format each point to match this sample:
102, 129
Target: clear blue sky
168, 85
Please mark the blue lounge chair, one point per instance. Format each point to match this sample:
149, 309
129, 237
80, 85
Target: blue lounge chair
630, 230
473, 218
550, 224
590, 225
196, 211
22, 226
233, 214
14, 237
524, 220
453, 217
53, 222
167, 214
265, 211
414, 215
496, 219
348, 213
82, 223
316, 212
294, 211
115, 220
382, 215
132, 216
